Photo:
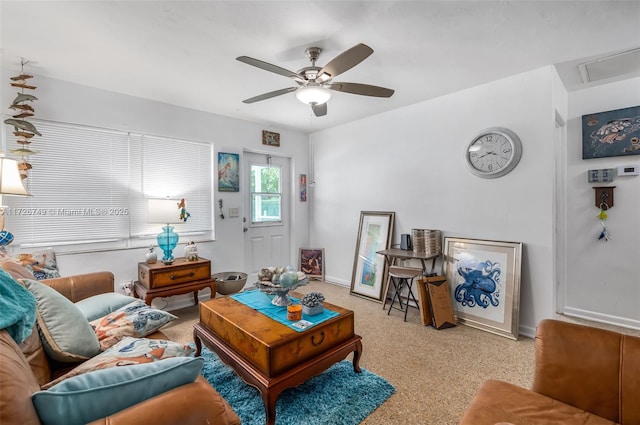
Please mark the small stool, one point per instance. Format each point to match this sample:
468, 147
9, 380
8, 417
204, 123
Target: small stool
401, 277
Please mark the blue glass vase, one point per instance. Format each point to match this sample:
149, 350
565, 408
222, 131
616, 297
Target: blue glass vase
167, 241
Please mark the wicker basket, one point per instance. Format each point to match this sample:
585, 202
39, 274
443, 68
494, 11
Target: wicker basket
426, 241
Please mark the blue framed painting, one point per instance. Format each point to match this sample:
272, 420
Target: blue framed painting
484, 279
228, 172
611, 133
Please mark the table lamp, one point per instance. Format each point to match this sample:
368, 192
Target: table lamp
10, 184
165, 211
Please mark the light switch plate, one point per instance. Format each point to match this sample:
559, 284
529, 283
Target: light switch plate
234, 212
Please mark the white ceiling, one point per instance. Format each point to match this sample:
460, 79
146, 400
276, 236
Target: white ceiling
183, 52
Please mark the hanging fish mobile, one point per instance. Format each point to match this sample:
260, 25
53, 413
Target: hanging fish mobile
23, 129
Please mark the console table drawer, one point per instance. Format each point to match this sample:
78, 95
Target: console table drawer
154, 276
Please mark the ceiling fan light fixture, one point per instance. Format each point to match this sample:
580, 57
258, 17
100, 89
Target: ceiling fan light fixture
313, 95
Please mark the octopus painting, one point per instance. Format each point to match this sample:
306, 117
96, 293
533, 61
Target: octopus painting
481, 283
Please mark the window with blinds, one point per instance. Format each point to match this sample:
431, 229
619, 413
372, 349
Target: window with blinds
90, 188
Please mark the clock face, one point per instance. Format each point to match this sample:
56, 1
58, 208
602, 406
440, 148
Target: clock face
493, 153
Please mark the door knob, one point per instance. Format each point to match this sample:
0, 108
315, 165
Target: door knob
244, 229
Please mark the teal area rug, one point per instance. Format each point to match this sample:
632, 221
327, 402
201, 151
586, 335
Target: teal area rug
338, 396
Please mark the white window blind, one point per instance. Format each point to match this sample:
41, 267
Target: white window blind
174, 169
90, 186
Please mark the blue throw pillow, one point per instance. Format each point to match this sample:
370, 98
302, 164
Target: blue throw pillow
102, 304
95, 395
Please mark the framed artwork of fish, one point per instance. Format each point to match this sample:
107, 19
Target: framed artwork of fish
484, 279
611, 133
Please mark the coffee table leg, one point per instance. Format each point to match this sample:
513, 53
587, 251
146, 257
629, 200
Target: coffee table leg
269, 399
356, 357
198, 342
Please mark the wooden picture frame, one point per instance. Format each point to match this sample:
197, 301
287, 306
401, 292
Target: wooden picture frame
370, 268
611, 133
270, 138
484, 280
312, 262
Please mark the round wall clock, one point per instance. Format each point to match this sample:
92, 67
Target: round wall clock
493, 153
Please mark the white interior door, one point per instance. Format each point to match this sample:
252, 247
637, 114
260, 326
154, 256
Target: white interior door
267, 211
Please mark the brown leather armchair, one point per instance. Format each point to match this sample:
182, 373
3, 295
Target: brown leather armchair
583, 376
26, 367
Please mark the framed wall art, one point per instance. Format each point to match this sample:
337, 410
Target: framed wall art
270, 138
312, 263
611, 133
303, 187
484, 279
228, 172
369, 267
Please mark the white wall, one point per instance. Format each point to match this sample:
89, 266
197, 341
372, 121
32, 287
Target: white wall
71, 103
603, 278
411, 161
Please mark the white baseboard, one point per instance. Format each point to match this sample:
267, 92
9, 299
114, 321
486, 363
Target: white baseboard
337, 281
602, 318
527, 331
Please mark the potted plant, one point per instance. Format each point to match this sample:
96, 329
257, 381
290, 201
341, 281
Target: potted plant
312, 303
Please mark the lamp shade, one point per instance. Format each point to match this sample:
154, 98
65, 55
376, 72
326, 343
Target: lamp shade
313, 95
163, 211
10, 181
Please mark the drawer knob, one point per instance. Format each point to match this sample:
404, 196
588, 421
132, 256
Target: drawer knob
313, 339
180, 276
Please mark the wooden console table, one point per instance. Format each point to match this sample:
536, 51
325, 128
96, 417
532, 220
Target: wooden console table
181, 277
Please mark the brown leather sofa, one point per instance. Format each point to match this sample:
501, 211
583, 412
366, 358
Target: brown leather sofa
25, 367
583, 376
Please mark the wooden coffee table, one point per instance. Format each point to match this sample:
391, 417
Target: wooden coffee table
269, 355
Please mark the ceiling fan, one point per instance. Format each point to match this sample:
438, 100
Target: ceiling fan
315, 83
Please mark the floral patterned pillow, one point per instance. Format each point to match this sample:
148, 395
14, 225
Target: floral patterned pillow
134, 319
42, 263
129, 351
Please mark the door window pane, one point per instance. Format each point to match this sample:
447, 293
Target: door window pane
266, 197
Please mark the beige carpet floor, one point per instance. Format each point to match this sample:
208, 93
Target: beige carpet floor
436, 372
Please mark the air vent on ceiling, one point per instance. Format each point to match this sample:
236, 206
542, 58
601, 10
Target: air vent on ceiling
610, 66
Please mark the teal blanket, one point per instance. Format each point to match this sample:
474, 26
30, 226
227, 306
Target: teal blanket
17, 308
